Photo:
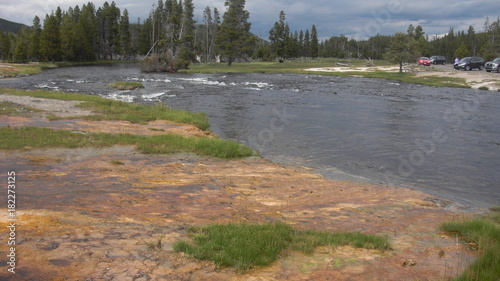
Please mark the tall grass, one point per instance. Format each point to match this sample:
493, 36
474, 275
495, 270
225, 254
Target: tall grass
246, 246
168, 144
33, 137
485, 233
107, 109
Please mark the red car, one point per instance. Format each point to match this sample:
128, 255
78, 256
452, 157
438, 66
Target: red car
424, 61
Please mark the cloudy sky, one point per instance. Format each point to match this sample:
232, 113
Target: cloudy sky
353, 18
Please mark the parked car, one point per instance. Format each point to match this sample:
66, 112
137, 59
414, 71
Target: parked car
469, 63
438, 60
493, 65
424, 61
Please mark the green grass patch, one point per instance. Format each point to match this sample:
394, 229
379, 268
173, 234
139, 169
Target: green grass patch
246, 246
14, 109
33, 137
107, 109
484, 235
126, 85
169, 143
289, 66
15, 70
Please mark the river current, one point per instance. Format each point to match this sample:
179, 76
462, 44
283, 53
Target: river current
442, 141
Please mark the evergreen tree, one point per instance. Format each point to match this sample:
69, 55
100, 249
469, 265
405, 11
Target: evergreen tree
108, 17
307, 44
462, 51
50, 42
34, 44
300, 47
145, 40
314, 47
402, 50
125, 35
187, 36
88, 26
233, 37
277, 36
68, 38
21, 46
5, 46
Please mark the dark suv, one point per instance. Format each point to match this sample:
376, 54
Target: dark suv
469, 63
438, 60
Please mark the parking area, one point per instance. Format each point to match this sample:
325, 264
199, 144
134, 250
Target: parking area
475, 78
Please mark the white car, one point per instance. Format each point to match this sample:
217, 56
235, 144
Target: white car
493, 65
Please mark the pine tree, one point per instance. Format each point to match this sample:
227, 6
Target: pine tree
50, 41
34, 44
403, 49
307, 44
125, 35
87, 24
462, 51
208, 21
314, 47
5, 46
278, 35
21, 46
187, 35
234, 38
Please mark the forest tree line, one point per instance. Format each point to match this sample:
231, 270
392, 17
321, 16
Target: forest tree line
88, 33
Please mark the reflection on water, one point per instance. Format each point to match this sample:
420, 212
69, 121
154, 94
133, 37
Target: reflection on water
439, 140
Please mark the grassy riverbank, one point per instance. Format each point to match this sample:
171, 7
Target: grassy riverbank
9, 70
347, 70
106, 109
289, 66
33, 137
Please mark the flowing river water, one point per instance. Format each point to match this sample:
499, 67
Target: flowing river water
442, 141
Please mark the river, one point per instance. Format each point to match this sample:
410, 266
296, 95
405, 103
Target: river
442, 141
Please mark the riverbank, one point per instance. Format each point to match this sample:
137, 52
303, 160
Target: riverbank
436, 75
91, 212
439, 76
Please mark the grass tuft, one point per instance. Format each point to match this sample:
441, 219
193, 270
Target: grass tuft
483, 232
122, 85
246, 246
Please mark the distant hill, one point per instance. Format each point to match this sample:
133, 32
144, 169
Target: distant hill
8, 26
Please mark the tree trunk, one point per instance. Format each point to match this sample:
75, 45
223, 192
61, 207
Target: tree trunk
400, 67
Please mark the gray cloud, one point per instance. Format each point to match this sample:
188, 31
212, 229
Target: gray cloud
354, 18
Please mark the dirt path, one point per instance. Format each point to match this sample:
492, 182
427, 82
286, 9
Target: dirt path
93, 214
